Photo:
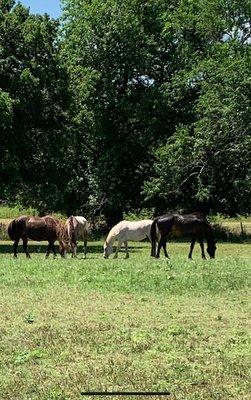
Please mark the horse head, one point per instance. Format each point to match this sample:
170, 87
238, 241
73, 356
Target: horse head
107, 250
63, 238
211, 248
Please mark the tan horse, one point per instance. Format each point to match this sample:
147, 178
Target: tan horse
125, 231
77, 228
36, 228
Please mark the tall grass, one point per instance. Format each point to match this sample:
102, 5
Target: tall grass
7, 212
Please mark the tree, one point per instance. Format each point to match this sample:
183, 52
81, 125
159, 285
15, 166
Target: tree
36, 142
205, 165
117, 64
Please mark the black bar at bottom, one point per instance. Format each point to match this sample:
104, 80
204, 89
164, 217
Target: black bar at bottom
125, 393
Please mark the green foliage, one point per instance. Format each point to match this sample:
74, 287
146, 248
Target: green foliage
112, 54
36, 141
126, 105
206, 164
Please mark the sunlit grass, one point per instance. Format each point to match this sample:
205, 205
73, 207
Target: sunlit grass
139, 324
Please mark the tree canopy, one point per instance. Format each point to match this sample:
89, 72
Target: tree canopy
127, 104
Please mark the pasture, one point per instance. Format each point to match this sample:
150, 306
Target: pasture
72, 325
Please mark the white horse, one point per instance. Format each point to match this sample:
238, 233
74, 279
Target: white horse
77, 228
124, 231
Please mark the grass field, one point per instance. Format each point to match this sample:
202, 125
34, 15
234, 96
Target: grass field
140, 324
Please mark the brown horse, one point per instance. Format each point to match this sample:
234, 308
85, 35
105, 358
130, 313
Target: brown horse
194, 225
36, 228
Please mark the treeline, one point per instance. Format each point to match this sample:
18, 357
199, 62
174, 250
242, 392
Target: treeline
124, 105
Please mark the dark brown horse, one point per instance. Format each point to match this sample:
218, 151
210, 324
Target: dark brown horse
36, 228
194, 225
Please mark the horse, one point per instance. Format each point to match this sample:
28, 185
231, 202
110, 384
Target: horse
124, 231
37, 228
77, 227
195, 225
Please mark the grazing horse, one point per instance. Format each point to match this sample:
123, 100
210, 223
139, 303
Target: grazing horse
124, 231
77, 227
36, 228
194, 225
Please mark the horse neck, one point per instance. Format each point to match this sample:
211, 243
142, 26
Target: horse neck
111, 238
209, 235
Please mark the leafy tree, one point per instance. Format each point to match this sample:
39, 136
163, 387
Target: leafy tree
205, 165
118, 63
126, 104
34, 86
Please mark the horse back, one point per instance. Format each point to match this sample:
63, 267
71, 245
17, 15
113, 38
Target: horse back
81, 226
191, 224
42, 228
133, 230
165, 223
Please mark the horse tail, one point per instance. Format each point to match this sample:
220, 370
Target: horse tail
11, 229
17, 227
71, 230
153, 235
87, 227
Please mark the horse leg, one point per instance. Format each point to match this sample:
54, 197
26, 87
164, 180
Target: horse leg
126, 249
117, 249
159, 247
164, 246
73, 249
85, 245
48, 250
15, 244
202, 249
25, 246
153, 246
53, 248
191, 247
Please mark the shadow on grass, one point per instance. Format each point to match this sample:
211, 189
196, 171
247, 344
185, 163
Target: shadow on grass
7, 248
33, 248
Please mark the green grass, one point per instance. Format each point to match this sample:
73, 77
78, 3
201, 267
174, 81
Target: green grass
139, 324
8, 213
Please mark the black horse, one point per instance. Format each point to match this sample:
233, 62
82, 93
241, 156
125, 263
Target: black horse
194, 225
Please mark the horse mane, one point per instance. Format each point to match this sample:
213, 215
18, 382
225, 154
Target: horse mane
61, 231
111, 235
